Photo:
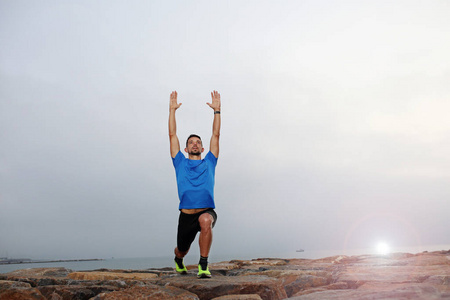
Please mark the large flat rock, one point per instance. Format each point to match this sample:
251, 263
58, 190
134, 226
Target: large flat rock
20, 293
151, 291
41, 272
265, 287
110, 276
399, 292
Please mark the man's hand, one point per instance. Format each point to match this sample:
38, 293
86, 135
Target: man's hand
215, 101
214, 143
173, 101
174, 143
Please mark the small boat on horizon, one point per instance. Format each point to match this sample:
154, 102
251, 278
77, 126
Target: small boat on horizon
300, 250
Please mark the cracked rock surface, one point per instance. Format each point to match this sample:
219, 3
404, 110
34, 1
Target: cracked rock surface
396, 276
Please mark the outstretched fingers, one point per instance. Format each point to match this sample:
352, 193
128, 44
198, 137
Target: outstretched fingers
215, 95
215, 100
173, 100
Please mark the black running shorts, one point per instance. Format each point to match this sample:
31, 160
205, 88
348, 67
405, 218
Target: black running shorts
188, 226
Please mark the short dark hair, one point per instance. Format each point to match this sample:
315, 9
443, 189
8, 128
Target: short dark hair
191, 136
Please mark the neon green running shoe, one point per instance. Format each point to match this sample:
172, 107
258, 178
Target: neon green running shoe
203, 273
182, 270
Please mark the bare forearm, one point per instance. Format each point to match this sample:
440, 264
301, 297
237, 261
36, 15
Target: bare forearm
215, 105
174, 105
174, 143
216, 125
172, 123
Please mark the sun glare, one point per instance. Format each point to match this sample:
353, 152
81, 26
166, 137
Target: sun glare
383, 248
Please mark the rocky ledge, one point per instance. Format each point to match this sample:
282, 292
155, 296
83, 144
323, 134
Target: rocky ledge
396, 276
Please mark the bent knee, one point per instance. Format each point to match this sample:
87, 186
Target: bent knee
206, 221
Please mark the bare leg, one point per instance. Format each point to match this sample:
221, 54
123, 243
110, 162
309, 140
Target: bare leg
205, 238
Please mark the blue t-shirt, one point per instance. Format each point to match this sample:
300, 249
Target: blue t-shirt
195, 179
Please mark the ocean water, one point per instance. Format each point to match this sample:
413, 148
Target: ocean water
128, 263
113, 263
191, 259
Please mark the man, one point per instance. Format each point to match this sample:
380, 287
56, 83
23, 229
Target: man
195, 180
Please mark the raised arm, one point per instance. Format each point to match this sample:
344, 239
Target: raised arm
174, 142
215, 105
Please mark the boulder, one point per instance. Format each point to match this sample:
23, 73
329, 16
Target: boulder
40, 272
239, 297
264, 262
290, 276
9, 284
75, 292
21, 293
148, 292
110, 276
390, 274
265, 287
332, 286
231, 265
305, 282
418, 291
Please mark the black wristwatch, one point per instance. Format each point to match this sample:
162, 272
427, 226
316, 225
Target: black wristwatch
217, 112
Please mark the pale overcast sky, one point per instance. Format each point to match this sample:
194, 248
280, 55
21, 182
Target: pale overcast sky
335, 128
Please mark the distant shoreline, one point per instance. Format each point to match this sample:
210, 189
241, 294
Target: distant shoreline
25, 261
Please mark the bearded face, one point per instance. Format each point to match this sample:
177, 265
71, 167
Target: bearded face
194, 146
